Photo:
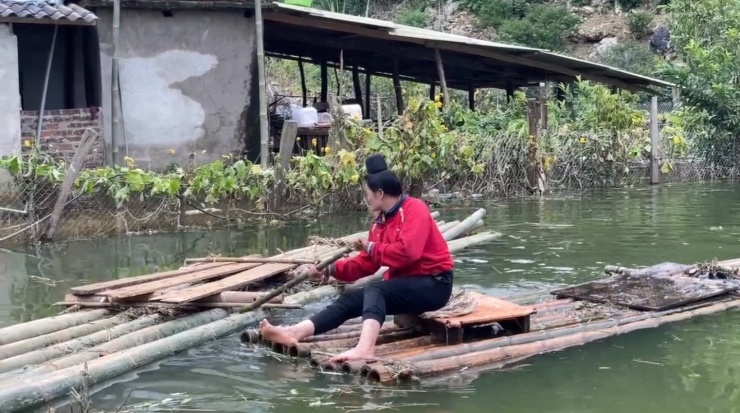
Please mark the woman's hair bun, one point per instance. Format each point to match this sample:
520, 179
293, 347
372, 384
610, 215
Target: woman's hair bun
375, 163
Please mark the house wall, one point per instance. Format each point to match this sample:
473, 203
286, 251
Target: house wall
62, 131
10, 98
185, 83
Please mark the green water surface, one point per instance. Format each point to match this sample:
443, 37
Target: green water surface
561, 239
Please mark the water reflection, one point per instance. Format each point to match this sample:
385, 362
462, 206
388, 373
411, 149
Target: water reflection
547, 243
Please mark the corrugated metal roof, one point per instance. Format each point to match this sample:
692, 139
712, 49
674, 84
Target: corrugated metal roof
533, 57
11, 10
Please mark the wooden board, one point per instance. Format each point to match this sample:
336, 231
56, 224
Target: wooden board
489, 310
647, 293
147, 288
126, 282
230, 283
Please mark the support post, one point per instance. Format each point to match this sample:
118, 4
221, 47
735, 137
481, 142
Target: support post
304, 89
432, 91
380, 117
535, 173
654, 142
442, 81
397, 86
46, 85
116, 110
324, 81
471, 97
357, 85
262, 85
366, 109
287, 144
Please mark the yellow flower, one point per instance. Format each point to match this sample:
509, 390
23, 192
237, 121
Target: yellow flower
583, 139
354, 178
434, 155
256, 169
171, 151
327, 150
129, 161
367, 131
444, 128
439, 104
314, 142
408, 125
676, 140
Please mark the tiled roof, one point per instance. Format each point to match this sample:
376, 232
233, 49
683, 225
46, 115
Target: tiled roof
42, 10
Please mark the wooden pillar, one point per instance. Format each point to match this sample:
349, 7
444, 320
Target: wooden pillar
366, 109
324, 81
543, 105
535, 173
510, 91
560, 94
259, 30
397, 86
357, 85
432, 91
654, 142
442, 81
304, 90
471, 97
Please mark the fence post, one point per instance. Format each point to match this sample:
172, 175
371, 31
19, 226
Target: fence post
654, 142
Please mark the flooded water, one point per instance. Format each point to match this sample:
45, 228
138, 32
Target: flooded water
686, 367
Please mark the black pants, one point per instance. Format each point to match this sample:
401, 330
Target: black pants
405, 295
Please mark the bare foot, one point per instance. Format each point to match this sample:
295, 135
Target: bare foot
277, 334
354, 354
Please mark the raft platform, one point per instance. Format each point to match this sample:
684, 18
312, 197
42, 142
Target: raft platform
501, 332
110, 328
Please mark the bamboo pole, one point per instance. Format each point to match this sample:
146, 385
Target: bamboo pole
116, 110
349, 334
442, 80
41, 341
465, 225
72, 346
143, 336
45, 89
262, 93
450, 360
267, 260
42, 326
157, 305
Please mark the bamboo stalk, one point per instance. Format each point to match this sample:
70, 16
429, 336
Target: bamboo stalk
131, 340
445, 226
30, 344
350, 334
72, 346
191, 305
34, 328
267, 260
465, 226
449, 359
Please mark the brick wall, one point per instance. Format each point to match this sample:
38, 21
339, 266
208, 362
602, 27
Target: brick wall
62, 131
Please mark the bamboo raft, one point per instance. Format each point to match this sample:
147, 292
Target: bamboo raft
502, 332
113, 327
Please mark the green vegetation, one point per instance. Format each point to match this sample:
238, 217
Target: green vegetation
543, 26
633, 56
630, 4
639, 23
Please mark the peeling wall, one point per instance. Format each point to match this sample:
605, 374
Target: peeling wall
10, 99
185, 83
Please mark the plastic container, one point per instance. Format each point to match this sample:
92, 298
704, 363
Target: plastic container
306, 117
325, 119
353, 110
304, 3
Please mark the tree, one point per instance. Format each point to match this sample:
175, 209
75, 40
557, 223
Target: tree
706, 37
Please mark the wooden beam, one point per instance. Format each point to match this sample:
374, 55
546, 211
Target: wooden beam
397, 86
304, 90
357, 85
324, 97
368, 78
442, 81
471, 97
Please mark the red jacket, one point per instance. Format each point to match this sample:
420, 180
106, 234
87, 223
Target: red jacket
406, 240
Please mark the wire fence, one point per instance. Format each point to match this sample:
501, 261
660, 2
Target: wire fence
26, 205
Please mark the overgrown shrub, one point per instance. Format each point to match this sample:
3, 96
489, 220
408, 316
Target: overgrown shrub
632, 56
630, 4
543, 26
413, 17
639, 24
493, 13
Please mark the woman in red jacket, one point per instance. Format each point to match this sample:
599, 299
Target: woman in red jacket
403, 237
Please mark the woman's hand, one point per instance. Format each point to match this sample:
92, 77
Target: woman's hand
360, 245
310, 269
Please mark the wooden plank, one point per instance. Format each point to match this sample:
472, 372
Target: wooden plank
147, 288
126, 282
230, 283
244, 297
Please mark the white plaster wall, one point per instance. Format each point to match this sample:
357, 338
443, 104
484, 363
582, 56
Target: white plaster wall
185, 83
10, 98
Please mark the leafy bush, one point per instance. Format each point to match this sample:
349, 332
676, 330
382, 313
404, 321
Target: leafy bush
639, 23
544, 26
630, 4
413, 17
493, 13
632, 56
